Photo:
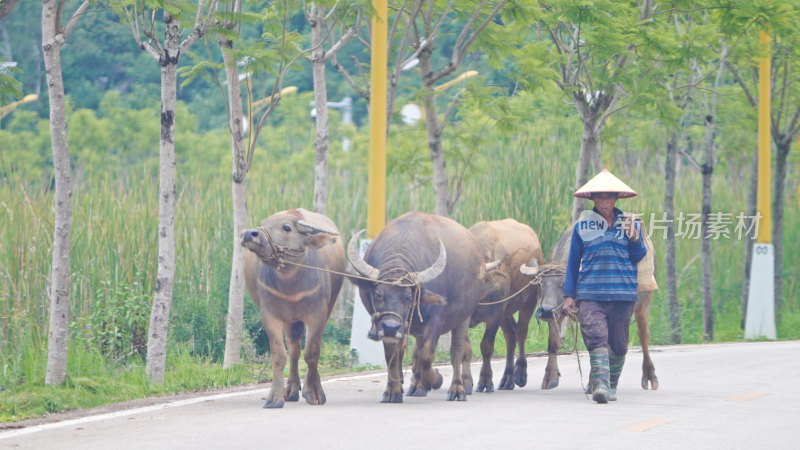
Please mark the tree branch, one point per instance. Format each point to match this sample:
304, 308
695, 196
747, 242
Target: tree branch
352, 31
691, 159
794, 124
74, 19
738, 78
133, 20
6, 6
362, 92
463, 43
201, 25
468, 43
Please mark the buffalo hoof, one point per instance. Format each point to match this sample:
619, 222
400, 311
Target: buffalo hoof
468, 390
652, 381
417, 391
395, 397
520, 377
273, 403
485, 388
457, 394
506, 383
550, 382
313, 398
439, 380
293, 396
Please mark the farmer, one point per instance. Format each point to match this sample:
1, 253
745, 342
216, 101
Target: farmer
600, 283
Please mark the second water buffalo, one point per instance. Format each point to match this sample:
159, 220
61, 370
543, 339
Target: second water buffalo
513, 244
423, 276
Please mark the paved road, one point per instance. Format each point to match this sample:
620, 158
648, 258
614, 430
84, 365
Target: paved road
716, 396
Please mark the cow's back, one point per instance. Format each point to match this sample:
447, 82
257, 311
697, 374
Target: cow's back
513, 243
560, 252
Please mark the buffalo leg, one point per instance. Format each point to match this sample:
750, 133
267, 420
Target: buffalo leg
485, 383
521, 364
509, 327
394, 366
424, 376
277, 349
294, 332
457, 390
466, 371
312, 389
641, 312
551, 373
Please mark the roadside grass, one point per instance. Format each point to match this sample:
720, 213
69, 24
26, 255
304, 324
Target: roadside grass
113, 259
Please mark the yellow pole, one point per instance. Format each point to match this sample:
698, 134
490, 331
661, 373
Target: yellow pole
258, 104
764, 160
376, 195
760, 320
458, 79
6, 110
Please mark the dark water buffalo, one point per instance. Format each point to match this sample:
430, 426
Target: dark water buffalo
512, 244
552, 275
425, 276
290, 297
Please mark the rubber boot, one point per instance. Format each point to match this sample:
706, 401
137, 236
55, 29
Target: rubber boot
615, 364
598, 358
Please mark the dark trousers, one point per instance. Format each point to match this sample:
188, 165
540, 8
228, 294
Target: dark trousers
606, 324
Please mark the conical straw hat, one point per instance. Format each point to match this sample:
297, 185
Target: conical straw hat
605, 181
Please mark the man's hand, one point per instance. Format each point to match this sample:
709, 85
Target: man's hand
571, 307
629, 225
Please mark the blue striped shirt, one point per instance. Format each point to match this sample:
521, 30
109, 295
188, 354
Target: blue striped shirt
603, 268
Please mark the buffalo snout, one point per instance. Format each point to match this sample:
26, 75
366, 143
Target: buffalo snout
250, 236
390, 327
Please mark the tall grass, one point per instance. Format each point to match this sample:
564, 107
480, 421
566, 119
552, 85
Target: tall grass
528, 177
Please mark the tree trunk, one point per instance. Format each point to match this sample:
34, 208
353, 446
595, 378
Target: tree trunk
7, 5
669, 245
233, 330
321, 105
440, 183
162, 299
779, 188
752, 200
590, 144
58, 343
708, 169
597, 157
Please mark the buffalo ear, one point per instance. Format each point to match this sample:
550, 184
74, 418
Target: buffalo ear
315, 241
496, 280
430, 298
362, 283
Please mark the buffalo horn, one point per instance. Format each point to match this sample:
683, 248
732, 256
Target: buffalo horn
307, 228
357, 261
433, 271
530, 270
493, 265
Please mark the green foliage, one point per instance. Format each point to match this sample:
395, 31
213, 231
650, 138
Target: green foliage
10, 88
117, 325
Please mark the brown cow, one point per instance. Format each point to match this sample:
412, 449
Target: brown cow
553, 299
290, 296
513, 244
425, 276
